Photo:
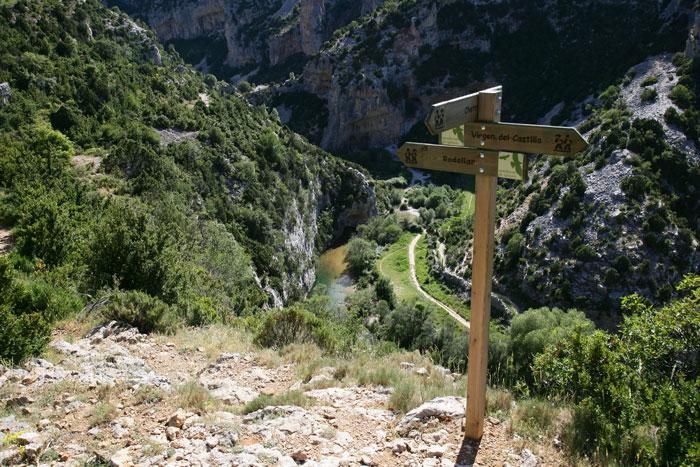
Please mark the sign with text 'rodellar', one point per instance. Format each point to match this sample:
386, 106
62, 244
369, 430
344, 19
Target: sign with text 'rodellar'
511, 165
453, 113
456, 159
538, 139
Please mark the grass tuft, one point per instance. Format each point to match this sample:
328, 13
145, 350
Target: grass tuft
102, 413
194, 396
288, 398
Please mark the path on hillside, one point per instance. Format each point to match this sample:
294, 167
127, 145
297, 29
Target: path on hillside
414, 279
5, 240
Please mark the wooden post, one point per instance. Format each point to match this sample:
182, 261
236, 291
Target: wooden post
482, 272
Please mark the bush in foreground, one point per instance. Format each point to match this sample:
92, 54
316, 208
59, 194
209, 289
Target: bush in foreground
636, 394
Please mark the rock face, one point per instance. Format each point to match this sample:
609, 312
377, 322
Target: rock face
265, 32
379, 78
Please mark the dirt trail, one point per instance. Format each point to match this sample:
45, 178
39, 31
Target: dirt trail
414, 279
6, 241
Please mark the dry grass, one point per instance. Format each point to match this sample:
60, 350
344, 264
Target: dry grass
102, 413
215, 340
535, 418
288, 398
498, 402
410, 389
148, 395
194, 396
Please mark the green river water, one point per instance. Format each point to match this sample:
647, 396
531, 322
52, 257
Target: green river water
332, 274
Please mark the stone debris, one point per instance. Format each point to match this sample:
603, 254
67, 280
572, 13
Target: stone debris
343, 425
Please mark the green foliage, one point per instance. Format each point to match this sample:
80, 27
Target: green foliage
288, 398
385, 291
649, 80
655, 355
28, 306
411, 325
681, 96
140, 310
22, 335
296, 324
99, 199
383, 230
648, 95
360, 256
536, 329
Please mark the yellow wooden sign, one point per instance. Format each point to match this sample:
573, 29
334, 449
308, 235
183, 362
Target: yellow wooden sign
456, 159
511, 165
552, 140
453, 113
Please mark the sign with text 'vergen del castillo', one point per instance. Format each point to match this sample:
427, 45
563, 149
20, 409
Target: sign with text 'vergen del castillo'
511, 165
537, 139
488, 150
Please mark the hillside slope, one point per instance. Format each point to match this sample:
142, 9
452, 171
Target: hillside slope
620, 218
122, 167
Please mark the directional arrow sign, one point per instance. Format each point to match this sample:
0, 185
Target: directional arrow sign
455, 159
539, 139
511, 165
453, 113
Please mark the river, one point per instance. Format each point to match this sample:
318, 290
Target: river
332, 274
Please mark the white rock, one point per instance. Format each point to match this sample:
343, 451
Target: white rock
121, 458
436, 450
442, 407
421, 371
212, 442
178, 418
171, 433
30, 437
528, 459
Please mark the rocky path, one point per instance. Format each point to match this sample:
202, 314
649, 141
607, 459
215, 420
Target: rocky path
120, 398
5, 240
412, 265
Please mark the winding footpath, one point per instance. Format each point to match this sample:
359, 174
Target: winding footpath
412, 266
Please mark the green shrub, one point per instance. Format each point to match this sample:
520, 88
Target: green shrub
102, 413
681, 96
649, 80
245, 87
536, 329
288, 398
193, 395
648, 95
382, 229
360, 256
285, 326
22, 335
140, 310
621, 385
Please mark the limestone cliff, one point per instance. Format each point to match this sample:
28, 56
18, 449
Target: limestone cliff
379, 75
255, 35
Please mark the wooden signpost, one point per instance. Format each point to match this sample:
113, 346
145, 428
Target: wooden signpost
473, 141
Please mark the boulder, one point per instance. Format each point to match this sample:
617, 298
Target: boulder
443, 408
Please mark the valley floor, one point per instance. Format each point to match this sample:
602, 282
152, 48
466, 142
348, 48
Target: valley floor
211, 397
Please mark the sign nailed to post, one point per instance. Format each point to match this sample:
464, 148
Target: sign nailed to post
540, 139
511, 165
453, 113
488, 150
456, 159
